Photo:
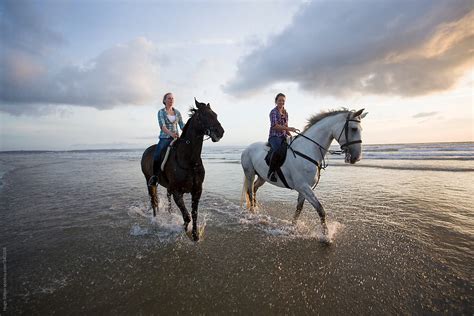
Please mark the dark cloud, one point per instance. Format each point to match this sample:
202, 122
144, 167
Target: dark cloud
32, 82
424, 114
22, 29
381, 47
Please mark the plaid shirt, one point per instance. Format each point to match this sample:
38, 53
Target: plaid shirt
164, 121
277, 118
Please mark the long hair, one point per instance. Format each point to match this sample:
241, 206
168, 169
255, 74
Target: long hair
276, 98
279, 95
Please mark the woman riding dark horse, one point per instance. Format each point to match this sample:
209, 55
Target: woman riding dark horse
168, 118
183, 171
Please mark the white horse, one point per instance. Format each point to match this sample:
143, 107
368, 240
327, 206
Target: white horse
305, 158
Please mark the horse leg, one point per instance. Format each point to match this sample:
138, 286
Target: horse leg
299, 208
195, 196
257, 184
153, 197
248, 189
249, 176
309, 195
178, 199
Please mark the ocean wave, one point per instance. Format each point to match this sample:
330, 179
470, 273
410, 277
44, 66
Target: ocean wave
4, 170
413, 168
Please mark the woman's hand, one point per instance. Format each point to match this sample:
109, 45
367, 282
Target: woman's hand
292, 129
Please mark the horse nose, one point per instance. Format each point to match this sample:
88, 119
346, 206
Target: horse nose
221, 130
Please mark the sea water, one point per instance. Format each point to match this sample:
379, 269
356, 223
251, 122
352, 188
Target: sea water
78, 236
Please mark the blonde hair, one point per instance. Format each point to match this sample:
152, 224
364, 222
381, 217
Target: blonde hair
165, 96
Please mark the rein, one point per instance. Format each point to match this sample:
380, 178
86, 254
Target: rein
196, 165
187, 141
346, 129
323, 150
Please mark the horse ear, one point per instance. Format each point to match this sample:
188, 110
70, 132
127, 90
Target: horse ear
208, 105
198, 104
356, 114
363, 115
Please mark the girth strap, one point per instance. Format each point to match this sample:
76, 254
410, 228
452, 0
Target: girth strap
282, 178
304, 156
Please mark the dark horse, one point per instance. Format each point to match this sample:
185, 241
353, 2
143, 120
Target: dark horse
184, 172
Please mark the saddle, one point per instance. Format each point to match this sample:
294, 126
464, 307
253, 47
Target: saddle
278, 157
165, 155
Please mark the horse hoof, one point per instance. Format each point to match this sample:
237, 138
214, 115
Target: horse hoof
325, 240
192, 236
185, 226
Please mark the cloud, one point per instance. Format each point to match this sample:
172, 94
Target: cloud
122, 75
23, 29
32, 81
424, 114
393, 47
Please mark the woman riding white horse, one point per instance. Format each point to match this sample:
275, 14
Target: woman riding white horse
305, 158
279, 130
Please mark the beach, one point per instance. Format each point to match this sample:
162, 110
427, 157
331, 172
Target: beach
78, 236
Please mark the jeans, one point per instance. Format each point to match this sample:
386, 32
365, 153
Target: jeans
275, 142
162, 145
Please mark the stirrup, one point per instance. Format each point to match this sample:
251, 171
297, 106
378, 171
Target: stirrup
271, 176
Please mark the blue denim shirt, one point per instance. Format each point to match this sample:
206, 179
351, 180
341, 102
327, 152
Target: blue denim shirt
164, 121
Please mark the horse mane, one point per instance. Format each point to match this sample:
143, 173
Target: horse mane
192, 111
322, 115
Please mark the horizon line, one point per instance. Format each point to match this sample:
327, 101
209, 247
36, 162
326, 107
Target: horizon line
218, 145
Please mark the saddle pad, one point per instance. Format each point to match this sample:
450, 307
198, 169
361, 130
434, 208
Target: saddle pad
165, 158
280, 155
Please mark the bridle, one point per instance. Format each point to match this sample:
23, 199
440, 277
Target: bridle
346, 134
343, 147
206, 131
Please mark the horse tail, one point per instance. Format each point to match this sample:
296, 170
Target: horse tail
249, 176
245, 194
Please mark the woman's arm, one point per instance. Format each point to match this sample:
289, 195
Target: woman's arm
279, 127
161, 121
180, 120
167, 131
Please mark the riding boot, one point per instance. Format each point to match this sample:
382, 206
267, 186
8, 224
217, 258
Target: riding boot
272, 168
156, 172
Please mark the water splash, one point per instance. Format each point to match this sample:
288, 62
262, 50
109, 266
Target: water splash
284, 228
167, 226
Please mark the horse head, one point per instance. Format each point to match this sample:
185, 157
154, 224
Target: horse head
207, 121
350, 136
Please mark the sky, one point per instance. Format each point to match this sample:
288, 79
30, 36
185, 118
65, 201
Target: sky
91, 74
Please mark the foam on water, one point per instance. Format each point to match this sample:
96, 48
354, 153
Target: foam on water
284, 228
167, 226
219, 212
